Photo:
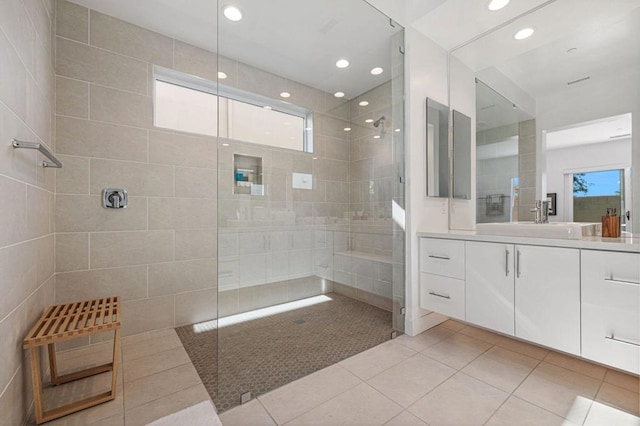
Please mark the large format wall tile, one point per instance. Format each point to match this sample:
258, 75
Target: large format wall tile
72, 21
72, 97
120, 107
180, 277
139, 316
182, 150
196, 244
196, 306
113, 249
84, 213
139, 179
99, 140
119, 36
72, 252
129, 283
87, 63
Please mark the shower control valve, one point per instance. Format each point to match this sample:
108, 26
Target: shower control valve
113, 198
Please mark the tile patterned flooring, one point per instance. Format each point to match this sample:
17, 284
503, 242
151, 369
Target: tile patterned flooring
264, 354
452, 374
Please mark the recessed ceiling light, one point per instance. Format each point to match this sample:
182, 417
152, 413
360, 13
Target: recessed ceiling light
285, 94
347, 129
368, 120
221, 75
363, 103
225, 144
339, 94
397, 130
497, 4
523, 33
232, 13
376, 137
267, 107
315, 158
377, 71
342, 63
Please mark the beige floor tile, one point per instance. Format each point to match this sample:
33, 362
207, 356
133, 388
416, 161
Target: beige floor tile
461, 400
145, 366
620, 398
361, 405
374, 361
575, 364
561, 391
250, 414
405, 419
501, 368
73, 391
457, 351
453, 325
427, 338
604, 415
408, 381
295, 399
149, 344
481, 334
627, 381
158, 385
518, 412
522, 347
117, 420
169, 404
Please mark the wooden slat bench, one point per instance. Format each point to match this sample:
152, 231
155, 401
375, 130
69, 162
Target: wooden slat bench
65, 322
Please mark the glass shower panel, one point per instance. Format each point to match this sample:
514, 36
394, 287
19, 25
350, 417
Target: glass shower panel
306, 245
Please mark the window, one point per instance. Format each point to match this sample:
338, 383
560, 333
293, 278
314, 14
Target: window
189, 104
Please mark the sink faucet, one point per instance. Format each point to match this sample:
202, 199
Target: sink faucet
542, 211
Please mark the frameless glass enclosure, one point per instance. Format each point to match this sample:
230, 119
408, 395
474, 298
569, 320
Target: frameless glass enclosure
310, 259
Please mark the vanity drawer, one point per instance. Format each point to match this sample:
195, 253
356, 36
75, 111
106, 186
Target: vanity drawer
443, 295
442, 257
611, 309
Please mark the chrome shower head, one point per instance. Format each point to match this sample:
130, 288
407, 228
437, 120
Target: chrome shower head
379, 121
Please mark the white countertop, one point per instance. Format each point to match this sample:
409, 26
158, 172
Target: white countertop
624, 244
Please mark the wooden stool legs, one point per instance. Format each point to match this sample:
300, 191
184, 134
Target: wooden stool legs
43, 416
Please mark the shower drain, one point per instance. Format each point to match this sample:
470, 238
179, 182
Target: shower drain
299, 321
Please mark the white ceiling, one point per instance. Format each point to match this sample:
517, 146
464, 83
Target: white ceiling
297, 39
604, 130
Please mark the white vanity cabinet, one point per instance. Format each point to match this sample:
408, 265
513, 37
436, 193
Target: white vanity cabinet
442, 283
611, 308
490, 285
547, 296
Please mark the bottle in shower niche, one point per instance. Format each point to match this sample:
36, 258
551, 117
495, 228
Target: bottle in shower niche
247, 175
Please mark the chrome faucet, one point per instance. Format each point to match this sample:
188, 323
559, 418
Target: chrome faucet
542, 211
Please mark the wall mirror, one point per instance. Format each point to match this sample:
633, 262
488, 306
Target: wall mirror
437, 152
558, 112
461, 155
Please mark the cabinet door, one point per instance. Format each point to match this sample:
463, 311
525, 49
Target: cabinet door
611, 308
490, 285
547, 296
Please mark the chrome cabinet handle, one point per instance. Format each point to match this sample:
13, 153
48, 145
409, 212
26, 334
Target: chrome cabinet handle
439, 295
433, 256
518, 263
611, 280
628, 342
506, 263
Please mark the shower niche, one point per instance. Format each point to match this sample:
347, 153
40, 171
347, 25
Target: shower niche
247, 172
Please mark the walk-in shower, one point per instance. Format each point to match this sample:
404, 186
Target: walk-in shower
260, 179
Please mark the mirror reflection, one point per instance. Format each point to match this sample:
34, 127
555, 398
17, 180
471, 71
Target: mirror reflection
437, 149
570, 88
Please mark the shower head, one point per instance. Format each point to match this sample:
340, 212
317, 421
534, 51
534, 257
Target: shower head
379, 121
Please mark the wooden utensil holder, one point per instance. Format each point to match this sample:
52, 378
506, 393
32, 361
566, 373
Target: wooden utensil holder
611, 226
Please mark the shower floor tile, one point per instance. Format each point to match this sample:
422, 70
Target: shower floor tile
260, 355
